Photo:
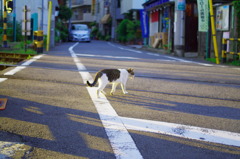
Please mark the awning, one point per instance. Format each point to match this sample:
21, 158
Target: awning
105, 19
153, 4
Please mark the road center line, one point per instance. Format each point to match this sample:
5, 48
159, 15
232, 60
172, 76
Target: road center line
121, 141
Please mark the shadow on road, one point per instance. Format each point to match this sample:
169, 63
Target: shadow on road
52, 128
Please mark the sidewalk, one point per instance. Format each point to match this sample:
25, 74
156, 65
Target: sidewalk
188, 56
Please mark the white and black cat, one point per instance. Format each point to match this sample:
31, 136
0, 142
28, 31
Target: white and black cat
112, 76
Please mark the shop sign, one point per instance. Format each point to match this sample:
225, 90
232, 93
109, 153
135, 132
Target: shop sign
222, 20
144, 23
181, 5
155, 4
203, 14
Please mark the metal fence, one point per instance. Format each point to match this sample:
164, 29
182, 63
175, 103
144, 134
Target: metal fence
224, 48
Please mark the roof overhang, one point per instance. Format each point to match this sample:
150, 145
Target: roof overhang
105, 19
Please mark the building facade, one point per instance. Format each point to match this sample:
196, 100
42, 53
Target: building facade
174, 25
37, 14
81, 11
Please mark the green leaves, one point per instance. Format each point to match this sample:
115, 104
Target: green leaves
65, 13
127, 29
236, 5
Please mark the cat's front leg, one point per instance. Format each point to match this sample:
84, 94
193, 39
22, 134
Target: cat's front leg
98, 93
124, 88
114, 85
103, 92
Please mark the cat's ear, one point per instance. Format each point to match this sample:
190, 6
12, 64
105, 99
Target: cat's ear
130, 70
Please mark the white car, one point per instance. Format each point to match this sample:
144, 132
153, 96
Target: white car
80, 32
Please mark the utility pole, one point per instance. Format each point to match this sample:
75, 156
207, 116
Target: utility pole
26, 24
41, 23
179, 31
14, 23
214, 34
5, 24
70, 21
8, 8
49, 24
114, 21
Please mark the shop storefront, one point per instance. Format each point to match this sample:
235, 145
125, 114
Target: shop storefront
161, 18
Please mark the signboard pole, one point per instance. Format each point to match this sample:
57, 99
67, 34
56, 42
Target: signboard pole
214, 32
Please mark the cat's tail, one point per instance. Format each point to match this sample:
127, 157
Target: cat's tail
98, 75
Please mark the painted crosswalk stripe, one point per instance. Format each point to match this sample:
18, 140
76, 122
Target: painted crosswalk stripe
152, 54
23, 66
121, 141
184, 131
2, 79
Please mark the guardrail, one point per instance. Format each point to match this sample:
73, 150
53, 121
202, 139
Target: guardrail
224, 48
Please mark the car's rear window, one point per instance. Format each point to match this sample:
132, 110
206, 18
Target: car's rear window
79, 27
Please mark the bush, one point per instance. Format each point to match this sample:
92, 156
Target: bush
61, 31
107, 38
94, 32
127, 30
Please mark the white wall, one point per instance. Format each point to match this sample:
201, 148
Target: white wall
137, 4
36, 7
127, 5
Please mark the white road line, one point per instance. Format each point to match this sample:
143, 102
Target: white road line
236, 69
85, 75
121, 48
121, 141
107, 56
2, 79
136, 51
111, 44
8, 149
186, 61
185, 131
152, 54
166, 60
19, 68
123, 144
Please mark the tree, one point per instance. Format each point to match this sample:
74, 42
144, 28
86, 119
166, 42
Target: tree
65, 13
122, 31
127, 29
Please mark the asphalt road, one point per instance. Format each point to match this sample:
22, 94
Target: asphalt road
51, 114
